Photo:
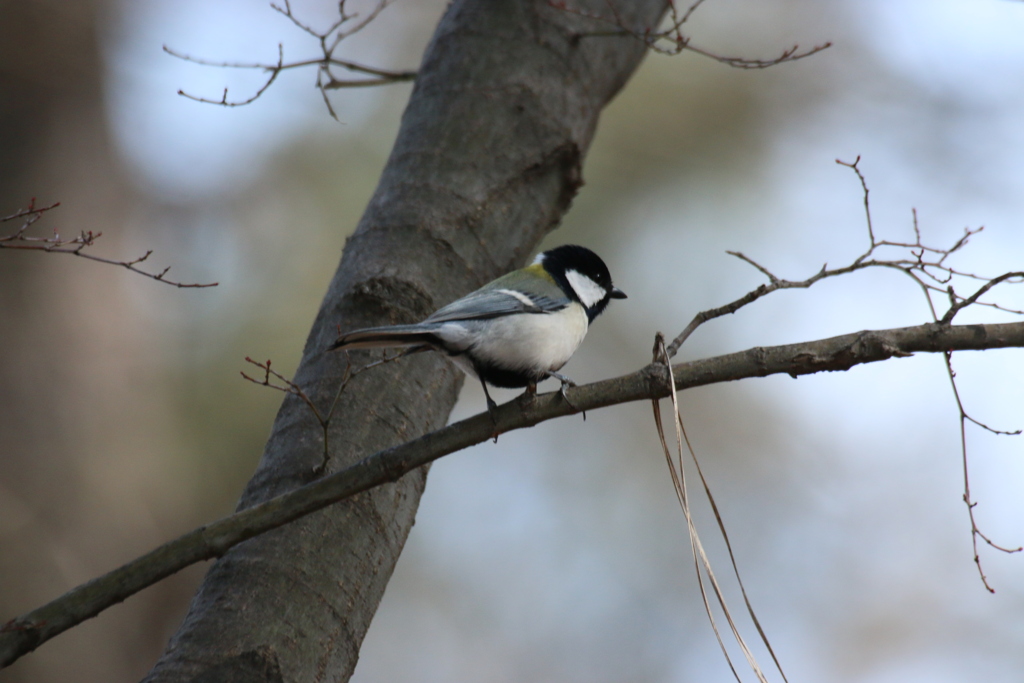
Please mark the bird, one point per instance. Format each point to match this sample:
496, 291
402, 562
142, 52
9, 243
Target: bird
514, 331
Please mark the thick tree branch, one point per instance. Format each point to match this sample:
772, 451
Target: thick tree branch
26, 633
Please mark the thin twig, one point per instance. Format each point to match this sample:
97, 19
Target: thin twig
928, 267
287, 386
976, 532
671, 40
867, 204
76, 246
791, 54
958, 305
223, 101
327, 42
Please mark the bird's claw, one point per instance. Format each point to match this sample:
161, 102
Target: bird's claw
320, 469
492, 409
566, 382
565, 397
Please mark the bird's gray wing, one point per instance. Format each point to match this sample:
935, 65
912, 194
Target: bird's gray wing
493, 302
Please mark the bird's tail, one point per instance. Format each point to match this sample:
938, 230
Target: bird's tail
386, 337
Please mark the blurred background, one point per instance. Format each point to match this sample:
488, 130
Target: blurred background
558, 554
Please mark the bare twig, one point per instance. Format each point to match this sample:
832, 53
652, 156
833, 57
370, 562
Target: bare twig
976, 532
957, 303
929, 268
932, 282
223, 101
287, 386
21, 240
328, 41
790, 54
671, 40
925, 265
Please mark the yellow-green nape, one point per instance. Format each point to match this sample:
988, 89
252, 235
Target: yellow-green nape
539, 270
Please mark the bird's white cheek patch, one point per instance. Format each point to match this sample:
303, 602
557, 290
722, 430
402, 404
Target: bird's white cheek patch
586, 289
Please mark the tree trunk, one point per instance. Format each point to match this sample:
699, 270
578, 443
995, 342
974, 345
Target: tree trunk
486, 162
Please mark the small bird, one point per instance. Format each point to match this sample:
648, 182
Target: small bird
515, 331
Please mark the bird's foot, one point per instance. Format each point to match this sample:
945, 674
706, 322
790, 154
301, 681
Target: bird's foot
566, 383
320, 469
492, 409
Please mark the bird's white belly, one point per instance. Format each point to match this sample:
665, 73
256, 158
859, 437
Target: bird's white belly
530, 341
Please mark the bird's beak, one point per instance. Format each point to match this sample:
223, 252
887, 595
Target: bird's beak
617, 293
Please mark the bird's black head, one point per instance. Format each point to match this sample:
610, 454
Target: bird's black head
583, 277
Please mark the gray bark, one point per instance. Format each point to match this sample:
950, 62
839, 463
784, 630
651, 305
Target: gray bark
486, 162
